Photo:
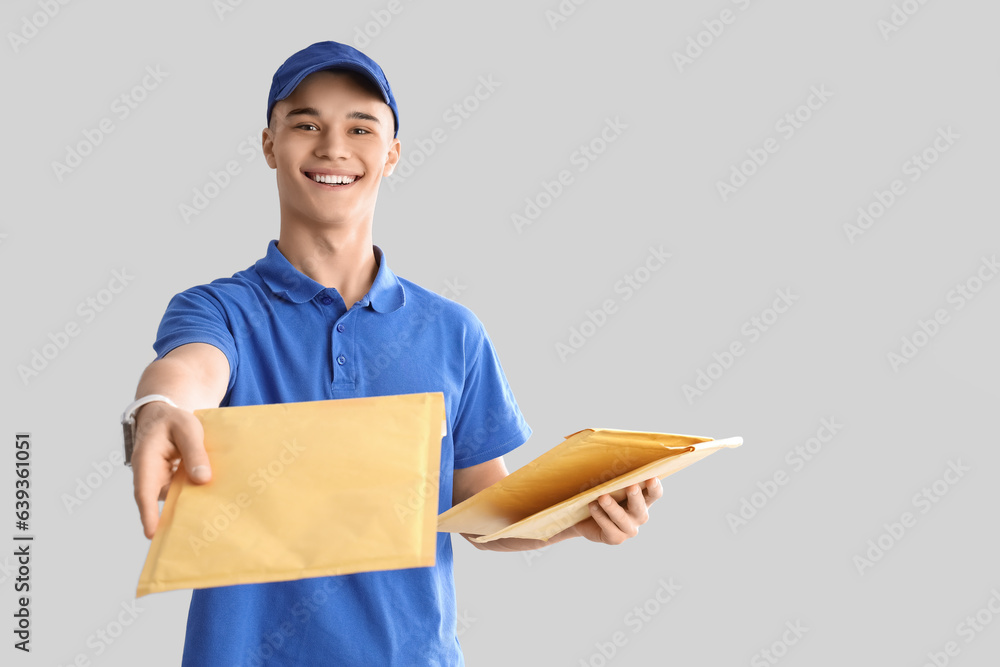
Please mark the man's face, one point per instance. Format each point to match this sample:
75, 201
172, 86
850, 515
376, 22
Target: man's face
330, 128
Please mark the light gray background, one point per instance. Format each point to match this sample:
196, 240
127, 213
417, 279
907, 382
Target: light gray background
826, 357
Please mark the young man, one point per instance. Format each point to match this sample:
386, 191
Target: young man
322, 316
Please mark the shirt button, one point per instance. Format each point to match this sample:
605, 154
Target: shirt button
340, 328
326, 300
341, 359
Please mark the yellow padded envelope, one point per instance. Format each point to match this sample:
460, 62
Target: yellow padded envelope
304, 490
553, 492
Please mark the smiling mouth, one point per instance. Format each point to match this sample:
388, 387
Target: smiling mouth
332, 181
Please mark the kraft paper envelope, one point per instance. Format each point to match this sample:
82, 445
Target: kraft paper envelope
304, 490
552, 492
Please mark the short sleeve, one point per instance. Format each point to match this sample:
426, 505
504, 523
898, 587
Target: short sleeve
489, 423
196, 316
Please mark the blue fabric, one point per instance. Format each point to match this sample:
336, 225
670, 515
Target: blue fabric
290, 339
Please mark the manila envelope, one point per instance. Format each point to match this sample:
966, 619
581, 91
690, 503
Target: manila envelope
303, 490
552, 493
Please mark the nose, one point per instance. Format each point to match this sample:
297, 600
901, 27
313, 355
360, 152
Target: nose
332, 144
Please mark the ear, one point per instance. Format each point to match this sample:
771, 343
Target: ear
267, 145
391, 158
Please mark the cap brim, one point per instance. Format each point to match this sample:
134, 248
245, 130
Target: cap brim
292, 84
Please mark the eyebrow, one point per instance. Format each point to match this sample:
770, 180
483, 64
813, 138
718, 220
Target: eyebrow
310, 111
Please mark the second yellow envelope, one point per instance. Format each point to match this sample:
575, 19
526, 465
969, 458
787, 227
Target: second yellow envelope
552, 492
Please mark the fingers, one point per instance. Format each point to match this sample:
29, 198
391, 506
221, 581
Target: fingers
617, 524
149, 480
188, 436
165, 437
654, 490
638, 507
620, 523
610, 532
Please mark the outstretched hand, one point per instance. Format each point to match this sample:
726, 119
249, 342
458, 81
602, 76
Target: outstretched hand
611, 523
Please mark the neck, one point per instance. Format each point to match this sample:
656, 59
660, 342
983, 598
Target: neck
340, 258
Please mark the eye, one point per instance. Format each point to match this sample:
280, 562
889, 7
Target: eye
361, 130
305, 125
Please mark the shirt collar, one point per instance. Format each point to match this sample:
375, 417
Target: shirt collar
386, 293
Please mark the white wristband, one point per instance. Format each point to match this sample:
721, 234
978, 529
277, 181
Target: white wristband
128, 421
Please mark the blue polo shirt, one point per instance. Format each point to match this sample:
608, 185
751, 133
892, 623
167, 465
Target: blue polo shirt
290, 339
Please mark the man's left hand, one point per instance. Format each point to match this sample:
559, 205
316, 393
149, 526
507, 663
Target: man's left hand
611, 523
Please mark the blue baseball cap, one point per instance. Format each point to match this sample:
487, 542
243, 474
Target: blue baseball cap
322, 56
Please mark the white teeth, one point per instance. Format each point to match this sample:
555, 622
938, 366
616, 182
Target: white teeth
328, 178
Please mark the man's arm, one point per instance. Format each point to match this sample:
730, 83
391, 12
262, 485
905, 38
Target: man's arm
609, 522
193, 376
